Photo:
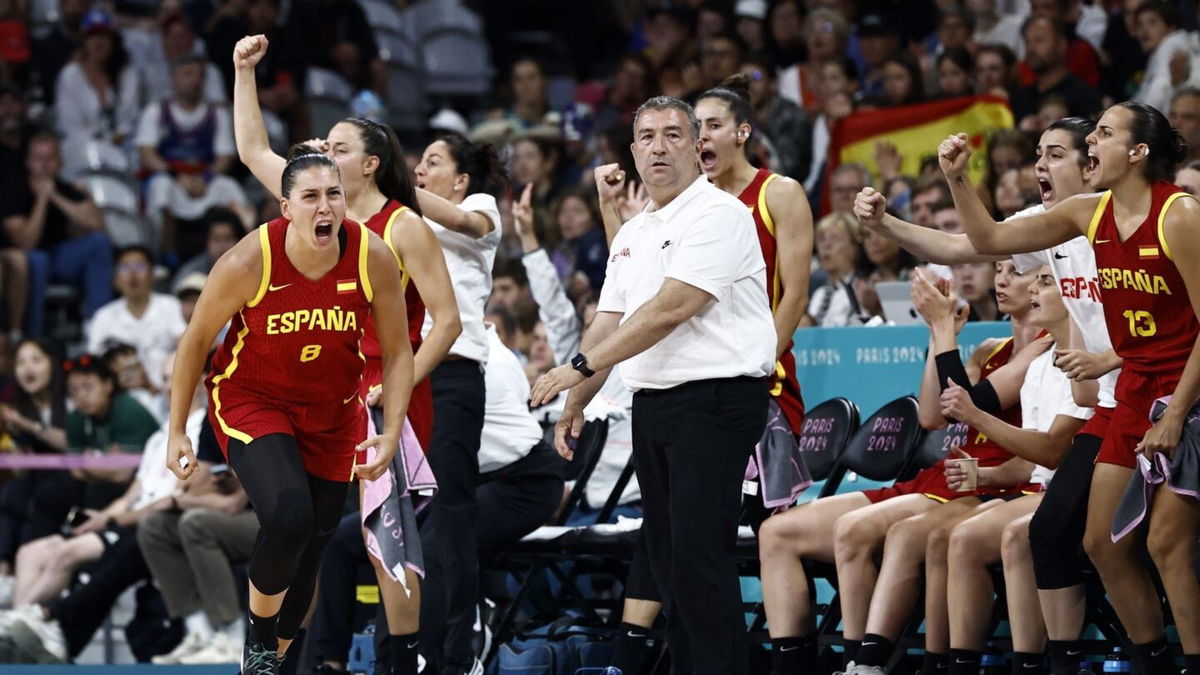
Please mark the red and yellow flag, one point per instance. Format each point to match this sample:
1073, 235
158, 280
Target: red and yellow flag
917, 129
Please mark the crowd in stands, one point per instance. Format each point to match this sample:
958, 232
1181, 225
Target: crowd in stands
120, 188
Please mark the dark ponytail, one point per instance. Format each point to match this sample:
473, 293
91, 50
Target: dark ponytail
300, 157
735, 92
479, 161
1167, 148
1079, 128
392, 177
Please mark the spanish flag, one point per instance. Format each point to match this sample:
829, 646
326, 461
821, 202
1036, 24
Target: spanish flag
917, 129
346, 286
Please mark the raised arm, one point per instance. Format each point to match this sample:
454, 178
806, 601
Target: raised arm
249, 131
793, 220
391, 325
935, 246
1064, 222
236, 279
423, 259
447, 214
1181, 243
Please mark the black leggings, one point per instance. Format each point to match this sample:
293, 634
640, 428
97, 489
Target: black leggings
297, 513
1056, 531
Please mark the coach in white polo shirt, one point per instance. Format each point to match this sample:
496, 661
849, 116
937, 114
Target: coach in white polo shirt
684, 310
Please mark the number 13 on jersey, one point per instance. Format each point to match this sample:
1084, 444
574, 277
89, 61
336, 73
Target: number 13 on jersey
1141, 323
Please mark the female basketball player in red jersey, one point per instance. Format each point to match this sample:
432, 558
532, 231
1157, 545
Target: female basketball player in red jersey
284, 394
379, 194
783, 218
1146, 236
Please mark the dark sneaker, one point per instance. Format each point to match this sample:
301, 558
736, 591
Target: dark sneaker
258, 659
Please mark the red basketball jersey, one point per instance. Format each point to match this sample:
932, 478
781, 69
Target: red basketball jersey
381, 224
297, 341
784, 385
978, 445
1146, 304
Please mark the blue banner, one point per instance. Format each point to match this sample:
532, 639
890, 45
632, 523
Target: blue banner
872, 365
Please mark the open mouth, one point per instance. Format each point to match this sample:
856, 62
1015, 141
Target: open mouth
324, 232
1093, 162
1045, 189
708, 159
421, 184
1033, 304
1001, 297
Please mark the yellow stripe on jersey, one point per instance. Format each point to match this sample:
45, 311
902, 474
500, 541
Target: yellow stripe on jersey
1099, 213
995, 351
762, 204
264, 240
1162, 219
387, 239
364, 236
216, 391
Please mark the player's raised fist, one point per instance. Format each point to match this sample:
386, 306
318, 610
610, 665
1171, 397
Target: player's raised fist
869, 206
249, 51
953, 154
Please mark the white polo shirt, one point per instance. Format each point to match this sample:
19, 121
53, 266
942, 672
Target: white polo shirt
469, 261
706, 239
1073, 264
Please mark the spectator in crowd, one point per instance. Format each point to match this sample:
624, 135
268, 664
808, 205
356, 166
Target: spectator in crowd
178, 44
720, 56
785, 23
954, 30
337, 37
1081, 58
1188, 178
840, 253
54, 49
902, 82
582, 254
529, 104
826, 34
1008, 149
839, 87
177, 202
123, 361
535, 161
1173, 60
993, 27
880, 40
1046, 53
929, 193
784, 126
955, 73
35, 419
844, 184
52, 629
185, 125
750, 23
187, 290
62, 230
151, 322
1010, 195
888, 262
631, 84
509, 285
1184, 115
1123, 55
97, 95
994, 65
190, 551
946, 218
973, 283
672, 48
222, 229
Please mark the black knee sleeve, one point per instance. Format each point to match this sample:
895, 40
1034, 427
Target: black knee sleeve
1056, 530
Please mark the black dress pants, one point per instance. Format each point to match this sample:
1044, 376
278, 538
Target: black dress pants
690, 448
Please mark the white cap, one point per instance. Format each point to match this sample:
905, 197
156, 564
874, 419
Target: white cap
755, 9
192, 283
448, 120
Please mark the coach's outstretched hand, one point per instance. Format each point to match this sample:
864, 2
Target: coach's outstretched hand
953, 154
567, 430
180, 458
552, 383
385, 448
869, 207
249, 51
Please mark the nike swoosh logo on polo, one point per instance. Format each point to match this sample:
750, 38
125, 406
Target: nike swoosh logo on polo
634, 635
1076, 652
280, 287
412, 645
349, 399
789, 649
1103, 241
961, 661
1160, 651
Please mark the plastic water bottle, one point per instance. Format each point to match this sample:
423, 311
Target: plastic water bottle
1116, 662
992, 662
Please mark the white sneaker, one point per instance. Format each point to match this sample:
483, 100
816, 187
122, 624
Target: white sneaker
220, 649
855, 669
191, 643
39, 637
7, 586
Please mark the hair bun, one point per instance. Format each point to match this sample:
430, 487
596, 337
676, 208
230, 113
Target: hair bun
738, 83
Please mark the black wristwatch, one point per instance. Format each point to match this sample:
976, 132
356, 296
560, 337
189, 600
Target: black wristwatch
579, 362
